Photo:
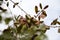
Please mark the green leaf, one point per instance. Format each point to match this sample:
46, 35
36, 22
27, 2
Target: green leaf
8, 34
7, 20
27, 17
24, 29
19, 28
40, 6
18, 17
7, 4
0, 18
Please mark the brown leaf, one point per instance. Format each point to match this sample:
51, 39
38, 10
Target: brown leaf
4, 10
36, 9
6, 0
44, 12
39, 18
16, 3
41, 21
37, 22
40, 5
46, 6
47, 27
1, 8
54, 22
58, 23
58, 30
13, 6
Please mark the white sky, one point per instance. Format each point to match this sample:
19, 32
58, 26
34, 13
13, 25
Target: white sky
53, 12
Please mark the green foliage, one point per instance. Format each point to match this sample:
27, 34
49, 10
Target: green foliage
7, 34
7, 20
27, 28
19, 28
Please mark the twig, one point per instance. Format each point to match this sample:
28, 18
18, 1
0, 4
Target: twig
54, 26
20, 8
